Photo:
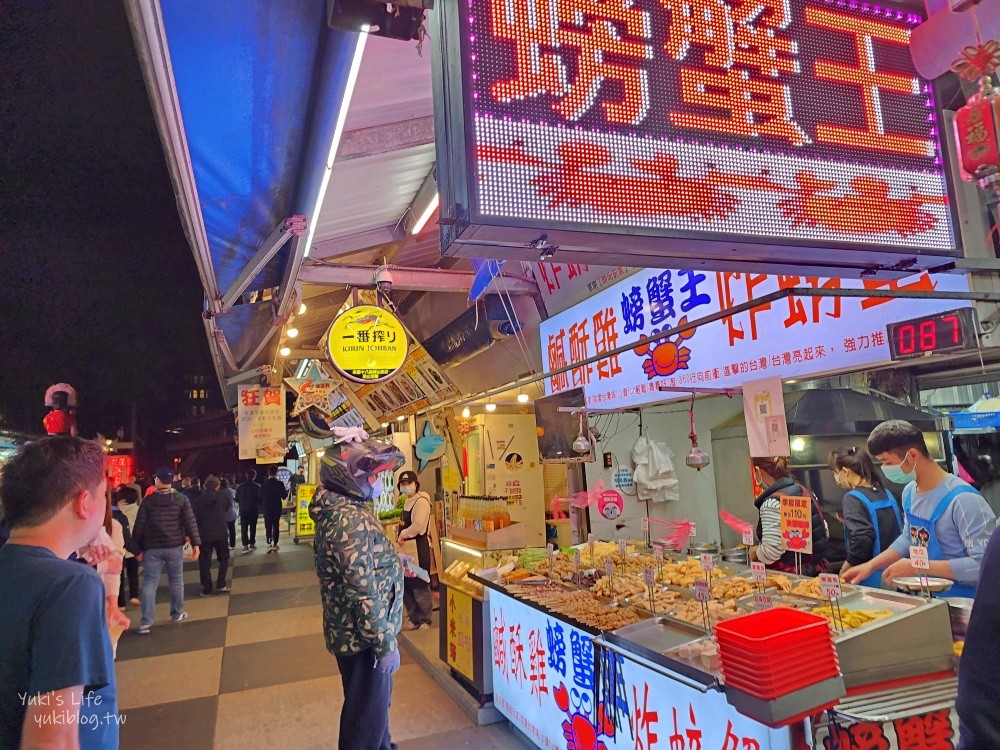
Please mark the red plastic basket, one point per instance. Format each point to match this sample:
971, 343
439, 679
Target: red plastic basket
774, 632
820, 657
769, 687
776, 652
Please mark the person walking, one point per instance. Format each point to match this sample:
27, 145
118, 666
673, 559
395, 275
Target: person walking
299, 477
361, 585
273, 492
210, 513
192, 488
229, 495
128, 545
248, 498
414, 540
54, 642
129, 507
163, 521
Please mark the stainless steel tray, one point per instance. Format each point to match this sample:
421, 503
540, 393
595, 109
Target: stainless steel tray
781, 711
915, 641
649, 640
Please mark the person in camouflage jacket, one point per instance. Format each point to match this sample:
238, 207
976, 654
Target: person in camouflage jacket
361, 578
361, 584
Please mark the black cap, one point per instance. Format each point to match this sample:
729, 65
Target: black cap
407, 477
164, 475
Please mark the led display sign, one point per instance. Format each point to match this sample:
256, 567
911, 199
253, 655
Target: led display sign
728, 130
943, 333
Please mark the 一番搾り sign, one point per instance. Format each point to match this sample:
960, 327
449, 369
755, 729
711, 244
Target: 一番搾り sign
612, 125
367, 344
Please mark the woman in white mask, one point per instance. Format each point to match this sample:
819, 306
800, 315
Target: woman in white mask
414, 540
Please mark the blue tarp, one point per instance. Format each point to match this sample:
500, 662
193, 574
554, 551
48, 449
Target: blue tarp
260, 84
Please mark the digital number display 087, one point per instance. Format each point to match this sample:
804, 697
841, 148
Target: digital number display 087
933, 334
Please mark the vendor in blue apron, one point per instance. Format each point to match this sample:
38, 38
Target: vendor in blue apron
871, 514
940, 512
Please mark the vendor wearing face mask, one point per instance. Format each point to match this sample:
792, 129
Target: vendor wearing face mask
872, 519
414, 540
941, 512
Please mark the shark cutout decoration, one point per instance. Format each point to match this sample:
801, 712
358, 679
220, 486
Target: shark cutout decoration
429, 445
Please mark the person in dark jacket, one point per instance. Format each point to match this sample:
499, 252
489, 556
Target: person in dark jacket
772, 550
164, 520
873, 518
229, 496
978, 687
210, 513
273, 492
192, 488
248, 498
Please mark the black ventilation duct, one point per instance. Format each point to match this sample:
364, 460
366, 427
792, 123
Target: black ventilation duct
472, 332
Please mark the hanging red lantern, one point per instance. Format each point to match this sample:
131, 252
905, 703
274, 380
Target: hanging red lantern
977, 136
977, 123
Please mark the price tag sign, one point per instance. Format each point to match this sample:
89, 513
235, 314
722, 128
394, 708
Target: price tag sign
576, 558
701, 592
609, 567
762, 602
590, 538
658, 554
757, 572
829, 585
649, 576
748, 538
694, 531
622, 547
919, 559
590, 545
708, 562
644, 524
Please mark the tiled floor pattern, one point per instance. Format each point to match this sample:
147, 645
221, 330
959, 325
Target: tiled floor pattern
250, 670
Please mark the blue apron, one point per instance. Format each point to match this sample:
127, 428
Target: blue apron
872, 506
933, 546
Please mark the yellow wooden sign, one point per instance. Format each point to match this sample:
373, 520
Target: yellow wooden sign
367, 344
460, 641
304, 525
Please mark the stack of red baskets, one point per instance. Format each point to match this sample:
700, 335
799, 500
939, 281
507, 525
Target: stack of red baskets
776, 652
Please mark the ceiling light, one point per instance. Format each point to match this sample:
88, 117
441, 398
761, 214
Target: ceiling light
426, 215
798, 444
491, 407
320, 453
523, 398
384, 425
401, 418
338, 132
292, 333
284, 351
302, 309
466, 413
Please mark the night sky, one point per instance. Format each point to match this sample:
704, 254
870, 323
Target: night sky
98, 287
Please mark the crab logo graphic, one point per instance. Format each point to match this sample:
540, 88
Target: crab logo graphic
580, 731
795, 541
667, 356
